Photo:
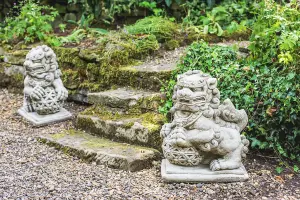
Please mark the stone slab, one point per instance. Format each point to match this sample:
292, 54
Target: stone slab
156, 68
125, 98
102, 151
201, 173
43, 120
118, 130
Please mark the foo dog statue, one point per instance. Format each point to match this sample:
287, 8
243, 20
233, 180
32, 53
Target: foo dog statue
44, 92
204, 133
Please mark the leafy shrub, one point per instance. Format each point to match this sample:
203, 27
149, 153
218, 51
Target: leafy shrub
276, 34
33, 23
162, 28
269, 95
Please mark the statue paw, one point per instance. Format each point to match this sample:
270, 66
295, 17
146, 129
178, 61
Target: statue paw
222, 164
165, 130
37, 93
179, 140
62, 93
215, 165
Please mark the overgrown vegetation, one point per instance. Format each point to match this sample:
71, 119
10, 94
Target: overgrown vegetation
162, 28
276, 35
267, 85
33, 23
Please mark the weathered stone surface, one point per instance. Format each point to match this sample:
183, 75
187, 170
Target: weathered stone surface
203, 130
145, 77
15, 58
102, 151
117, 124
11, 76
70, 16
241, 45
127, 98
42, 120
131, 129
200, 173
79, 95
156, 68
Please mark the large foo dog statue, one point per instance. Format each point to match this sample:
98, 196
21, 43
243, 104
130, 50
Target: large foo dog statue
204, 131
44, 92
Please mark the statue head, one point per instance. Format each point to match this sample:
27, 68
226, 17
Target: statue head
196, 91
41, 63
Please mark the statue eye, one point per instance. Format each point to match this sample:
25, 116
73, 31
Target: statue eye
198, 89
37, 61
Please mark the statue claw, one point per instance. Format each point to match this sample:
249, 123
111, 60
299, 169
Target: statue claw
215, 165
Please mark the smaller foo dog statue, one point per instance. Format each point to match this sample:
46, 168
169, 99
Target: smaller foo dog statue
204, 135
44, 92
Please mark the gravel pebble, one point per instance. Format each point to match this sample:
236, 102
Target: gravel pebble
31, 170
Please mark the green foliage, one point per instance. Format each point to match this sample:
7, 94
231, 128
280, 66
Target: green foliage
107, 10
83, 31
276, 34
229, 15
161, 27
279, 170
32, 24
269, 94
152, 7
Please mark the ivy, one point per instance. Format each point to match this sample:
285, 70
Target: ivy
269, 95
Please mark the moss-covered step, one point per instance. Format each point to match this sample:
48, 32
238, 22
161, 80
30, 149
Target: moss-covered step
11, 76
16, 57
141, 129
145, 76
102, 151
127, 99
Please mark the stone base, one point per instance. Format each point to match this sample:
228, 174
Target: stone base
42, 120
201, 173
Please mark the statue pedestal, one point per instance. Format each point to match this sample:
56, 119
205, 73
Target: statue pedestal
201, 173
42, 120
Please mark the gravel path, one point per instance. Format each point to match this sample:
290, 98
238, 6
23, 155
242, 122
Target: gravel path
31, 170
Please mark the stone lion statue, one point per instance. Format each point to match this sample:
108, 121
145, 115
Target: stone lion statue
203, 130
43, 89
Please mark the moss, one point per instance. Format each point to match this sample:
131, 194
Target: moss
63, 134
92, 87
20, 53
161, 27
91, 55
151, 120
172, 44
18, 77
152, 80
70, 78
128, 125
67, 56
92, 71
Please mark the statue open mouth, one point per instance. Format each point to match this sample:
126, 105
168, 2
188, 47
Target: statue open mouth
37, 69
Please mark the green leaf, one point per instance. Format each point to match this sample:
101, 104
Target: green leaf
296, 168
168, 2
279, 170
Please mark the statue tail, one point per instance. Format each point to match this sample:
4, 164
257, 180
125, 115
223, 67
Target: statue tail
245, 143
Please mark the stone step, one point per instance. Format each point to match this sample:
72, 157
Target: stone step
143, 76
141, 129
102, 151
127, 99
